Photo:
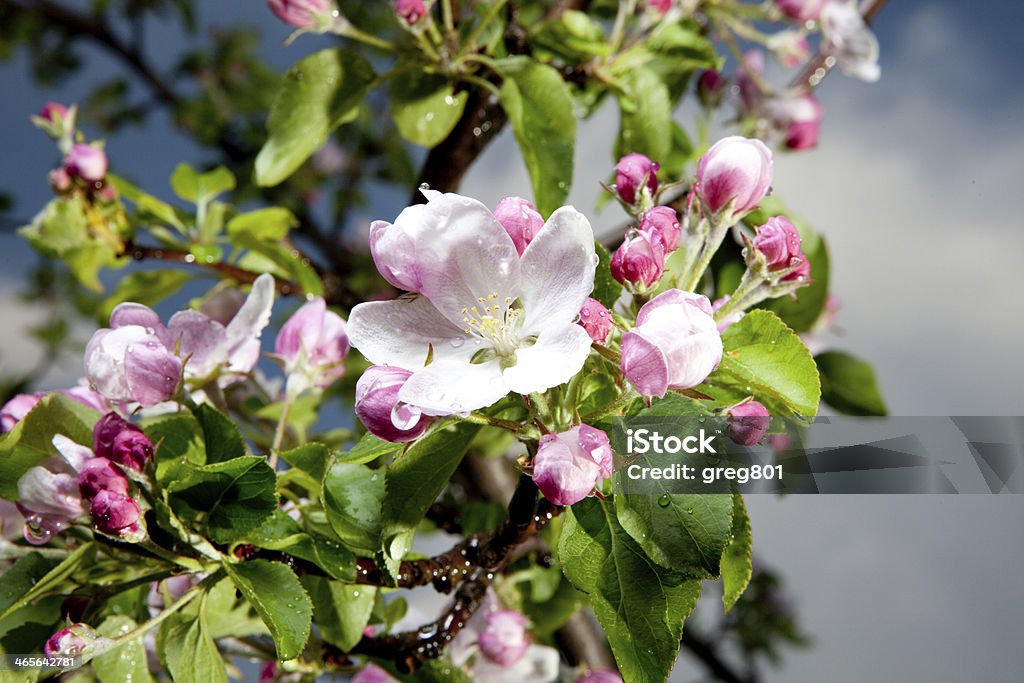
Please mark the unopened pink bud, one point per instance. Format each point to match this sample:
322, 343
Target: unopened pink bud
779, 241
663, 223
748, 423
100, 474
799, 119
660, 6
631, 173
86, 162
503, 639
122, 442
520, 219
52, 111
313, 345
380, 411
801, 10
410, 11
570, 464
69, 642
711, 87
114, 513
735, 172
596, 320
302, 13
639, 261
60, 181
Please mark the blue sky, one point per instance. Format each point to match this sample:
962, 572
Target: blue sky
917, 184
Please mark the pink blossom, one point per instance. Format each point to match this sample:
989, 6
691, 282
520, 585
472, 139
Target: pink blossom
849, 40
660, 6
99, 474
410, 11
631, 173
570, 464
662, 222
711, 87
380, 410
371, 673
60, 180
116, 514
779, 241
596, 320
675, 344
600, 676
503, 639
87, 162
122, 442
52, 111
15, 410
799, 118
639, 261
313, 346
131, 364
70, 642
520, 220
491, 321
748, 423
735, 174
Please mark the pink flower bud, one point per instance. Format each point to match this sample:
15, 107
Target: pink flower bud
711, 86
639, 261
122, 442
799, 119
380, 411
660, 6
60, 181
570, 464
86, 162
503, 639
748, 423
394, 250
313, 345
115, 513
302, 13
735, 173
53, 111
675, 344
99, 474
596, 320
631, 173
779, 241
600, 676
15, 410
801, 10
520, 220
69, 642
790, 47
663, 223
410, 11
130, 363
371, 673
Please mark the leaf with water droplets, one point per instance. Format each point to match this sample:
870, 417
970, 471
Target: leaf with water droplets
425, 106
278, 597
353, 497
737, 565
127, 662
341, 610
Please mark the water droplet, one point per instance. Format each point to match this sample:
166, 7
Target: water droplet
457, 342
424, 186
689, 511
429, 116
477, 132
664, 500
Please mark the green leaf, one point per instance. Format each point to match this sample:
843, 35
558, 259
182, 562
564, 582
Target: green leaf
179, 446
271, 224
200, 188
540, 108
368, 449
848, 384
646, 115
31, 440
226, 499
51, 581
278, 260
425, 106
318, 94
147, 287
283, 533
341, 610
607, 289
186, 648
737, 565
221, 438
19, 578
440, 670
229, 616
765, 359
126, 662
688, 534
574, 37
416, 479
147, 205
353, 497
273, 589
311, 458
640, 605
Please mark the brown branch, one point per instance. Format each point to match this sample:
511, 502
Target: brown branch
819, 67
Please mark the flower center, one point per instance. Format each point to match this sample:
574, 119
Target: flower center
496, 321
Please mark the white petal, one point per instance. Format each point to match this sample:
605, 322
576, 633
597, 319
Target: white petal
451, 386
464, 255
243, 332
539, 664
557, 270
74, 454
399, 333
559, 354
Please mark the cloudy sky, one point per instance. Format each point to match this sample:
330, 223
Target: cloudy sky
917, 186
